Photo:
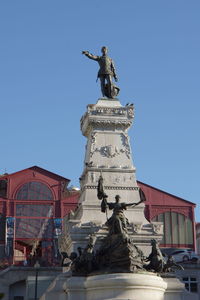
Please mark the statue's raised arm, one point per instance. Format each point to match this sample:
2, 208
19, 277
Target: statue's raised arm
106, 72
89, 55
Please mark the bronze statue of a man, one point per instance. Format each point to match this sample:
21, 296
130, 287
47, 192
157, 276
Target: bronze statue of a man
106, 72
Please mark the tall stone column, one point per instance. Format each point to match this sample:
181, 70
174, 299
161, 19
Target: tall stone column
108, 153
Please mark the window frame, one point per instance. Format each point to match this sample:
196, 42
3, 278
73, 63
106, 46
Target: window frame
169, 240
28, 198
189, 282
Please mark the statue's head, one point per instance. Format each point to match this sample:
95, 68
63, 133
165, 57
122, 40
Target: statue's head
104, 50
117, 198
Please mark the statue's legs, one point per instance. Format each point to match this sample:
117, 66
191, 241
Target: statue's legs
109, 83
102, 79
108, 79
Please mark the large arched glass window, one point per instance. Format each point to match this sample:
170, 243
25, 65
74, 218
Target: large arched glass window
178, 230
34, 190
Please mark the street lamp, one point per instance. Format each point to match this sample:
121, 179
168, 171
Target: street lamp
36, 266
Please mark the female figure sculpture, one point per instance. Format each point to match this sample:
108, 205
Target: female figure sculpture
118, 223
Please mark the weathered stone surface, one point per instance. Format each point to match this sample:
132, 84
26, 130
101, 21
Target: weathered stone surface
121, 286
108, 152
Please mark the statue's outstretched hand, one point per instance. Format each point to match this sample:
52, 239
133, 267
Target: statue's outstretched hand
85, 52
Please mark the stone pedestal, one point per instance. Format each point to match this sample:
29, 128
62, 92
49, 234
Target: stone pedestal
56, 290
108, 152
175, 288
119, 286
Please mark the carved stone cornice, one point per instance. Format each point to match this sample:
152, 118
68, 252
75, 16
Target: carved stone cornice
98, 117
136, 227
157, 227
126, 111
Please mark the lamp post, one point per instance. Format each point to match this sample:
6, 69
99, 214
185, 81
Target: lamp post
36, 266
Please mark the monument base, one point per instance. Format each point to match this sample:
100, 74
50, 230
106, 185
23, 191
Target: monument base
56, 290
117, 286
121, 286
175, 288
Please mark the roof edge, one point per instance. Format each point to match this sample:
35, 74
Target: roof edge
148, 185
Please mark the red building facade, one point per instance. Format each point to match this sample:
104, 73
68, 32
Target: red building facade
34, 201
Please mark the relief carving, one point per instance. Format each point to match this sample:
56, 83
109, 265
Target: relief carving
108, 111
93, 141
117, 179
136, 227
125, 143
127, 178
109, 151
92, 177
157, 228
106, 151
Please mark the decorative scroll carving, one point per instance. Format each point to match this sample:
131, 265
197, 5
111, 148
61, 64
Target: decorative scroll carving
136, 227
109, 111
117, 179
109, 151
125, 143
157, 228
115, 122
93, 142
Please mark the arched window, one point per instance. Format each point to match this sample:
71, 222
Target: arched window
34, 190
178, 230
34, 219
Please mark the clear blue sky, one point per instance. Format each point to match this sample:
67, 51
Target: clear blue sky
46, 84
